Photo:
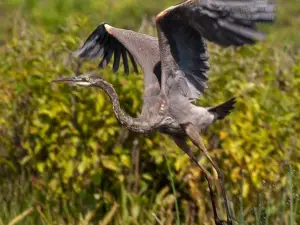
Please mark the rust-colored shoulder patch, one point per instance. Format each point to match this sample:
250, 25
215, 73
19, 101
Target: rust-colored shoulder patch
163, 13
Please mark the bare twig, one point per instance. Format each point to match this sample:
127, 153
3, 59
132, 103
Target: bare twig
20, 217
108, 218
39, 209
156, 218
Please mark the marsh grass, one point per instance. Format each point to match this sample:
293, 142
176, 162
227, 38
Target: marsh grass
286, 212
173, 189
22, 203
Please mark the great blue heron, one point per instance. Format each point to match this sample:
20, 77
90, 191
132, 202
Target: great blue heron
175, 68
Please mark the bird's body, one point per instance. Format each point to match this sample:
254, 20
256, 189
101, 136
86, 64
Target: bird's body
199, 116
175, 67
201, 119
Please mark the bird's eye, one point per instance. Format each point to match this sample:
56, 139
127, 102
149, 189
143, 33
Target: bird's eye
87, 79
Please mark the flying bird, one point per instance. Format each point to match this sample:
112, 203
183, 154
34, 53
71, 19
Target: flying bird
175, 67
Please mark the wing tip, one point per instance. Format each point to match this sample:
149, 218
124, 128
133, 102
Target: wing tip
78, 53
83, 50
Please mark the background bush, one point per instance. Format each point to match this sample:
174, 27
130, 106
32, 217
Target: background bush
65, 159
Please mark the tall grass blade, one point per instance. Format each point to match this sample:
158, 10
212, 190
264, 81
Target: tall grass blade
173, 189
242, 219
259, 209
282, 209
256, 215
296, 210
268, 212
290, 177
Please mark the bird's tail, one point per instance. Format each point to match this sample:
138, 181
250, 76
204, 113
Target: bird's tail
221, 111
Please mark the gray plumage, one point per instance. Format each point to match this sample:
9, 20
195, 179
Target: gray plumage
175, 68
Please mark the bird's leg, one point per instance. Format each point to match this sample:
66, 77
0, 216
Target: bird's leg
193, 134
181, 143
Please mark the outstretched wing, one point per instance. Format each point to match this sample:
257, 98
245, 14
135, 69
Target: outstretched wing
183, 27
109, 43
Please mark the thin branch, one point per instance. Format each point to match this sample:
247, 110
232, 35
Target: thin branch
20, 217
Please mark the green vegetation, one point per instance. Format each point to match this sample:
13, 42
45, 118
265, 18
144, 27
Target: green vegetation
65, 160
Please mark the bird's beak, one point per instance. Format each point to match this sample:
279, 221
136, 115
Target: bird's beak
69, 80
73, 81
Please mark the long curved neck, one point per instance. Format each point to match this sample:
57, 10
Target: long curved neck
132, 124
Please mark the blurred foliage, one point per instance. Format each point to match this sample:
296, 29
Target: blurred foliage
51, 14
84, 168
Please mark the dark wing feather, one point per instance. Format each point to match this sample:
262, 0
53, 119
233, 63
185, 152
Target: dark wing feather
129, 46
182, 29
101, 44
125, 60
117, 58
135, 66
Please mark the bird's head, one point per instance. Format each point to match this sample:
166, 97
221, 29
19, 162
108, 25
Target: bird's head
81, 80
